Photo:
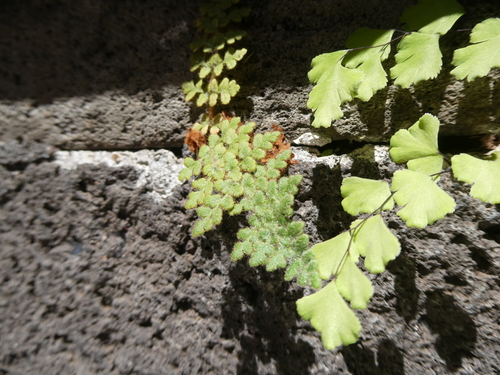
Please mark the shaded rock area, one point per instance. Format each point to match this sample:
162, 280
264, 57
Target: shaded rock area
98, 271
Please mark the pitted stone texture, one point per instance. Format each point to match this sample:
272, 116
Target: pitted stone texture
108, 75
98, 277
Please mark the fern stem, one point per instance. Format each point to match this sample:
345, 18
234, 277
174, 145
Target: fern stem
447, 170
380, 45
353, 230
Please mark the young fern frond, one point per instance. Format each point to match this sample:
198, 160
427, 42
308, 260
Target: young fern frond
232, 175
212, 55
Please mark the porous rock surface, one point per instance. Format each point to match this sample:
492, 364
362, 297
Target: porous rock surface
98, 271
107, 75
97, 277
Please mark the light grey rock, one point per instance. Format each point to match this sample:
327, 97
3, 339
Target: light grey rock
158, 169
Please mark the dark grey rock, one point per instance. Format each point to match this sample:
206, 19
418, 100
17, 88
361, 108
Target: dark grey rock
99, 276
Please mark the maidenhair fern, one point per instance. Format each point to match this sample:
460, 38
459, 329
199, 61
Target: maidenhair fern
230, 176
477, 59
213, 54
357, 72
421, 202
237, 171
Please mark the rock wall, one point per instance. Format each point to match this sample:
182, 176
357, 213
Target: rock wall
86, 75
99, 273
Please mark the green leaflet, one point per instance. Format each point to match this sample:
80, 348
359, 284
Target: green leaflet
331, 316
232, 56
483, 174
418, 59
305, 268
369, 60
335, 85
227, 89
214, 64
364, 37
376, 243
272, 238
362, 195
353, 285
375, 78
209, 57
418, 146
424, 202
427, 165
432, 16
479, 58
331, 254
190, 89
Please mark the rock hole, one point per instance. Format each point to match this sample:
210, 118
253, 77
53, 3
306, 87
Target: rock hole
82, 185
457, 280
460, 238
481, 258
103, 336
146, 323
492, 230
158, 335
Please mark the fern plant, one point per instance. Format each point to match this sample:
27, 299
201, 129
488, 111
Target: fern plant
358, 73
235, 170
422, 202
213, 54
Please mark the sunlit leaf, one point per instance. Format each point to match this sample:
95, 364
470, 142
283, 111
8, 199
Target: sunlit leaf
479, 58
418, 59
362, 195
483, 174
419, 146
331, 254
424, 202
354, 285
185, 174
375, 78
432, 16
369, 60
335, 85
376, 243
331, 316
427, 165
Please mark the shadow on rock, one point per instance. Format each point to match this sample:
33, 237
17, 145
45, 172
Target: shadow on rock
456, 331
259, 310
404, 268
388, 361
321, 184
